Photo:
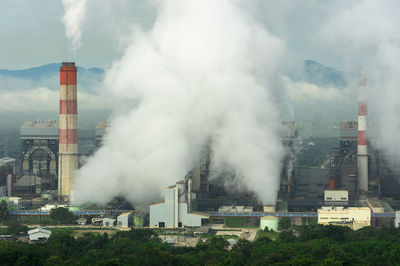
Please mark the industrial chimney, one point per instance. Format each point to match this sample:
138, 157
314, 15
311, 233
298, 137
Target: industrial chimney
362, 151
68, 130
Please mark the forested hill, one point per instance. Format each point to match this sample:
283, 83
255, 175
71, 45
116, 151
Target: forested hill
314, 245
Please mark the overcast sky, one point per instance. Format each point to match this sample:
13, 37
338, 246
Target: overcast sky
32, 32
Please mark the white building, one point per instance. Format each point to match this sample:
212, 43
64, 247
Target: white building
397, 219
109, 222
173, 211
353, 217
39, 234
336, 197
125, 219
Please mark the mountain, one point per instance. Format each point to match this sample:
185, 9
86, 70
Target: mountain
37, 73
323, 76
48, 76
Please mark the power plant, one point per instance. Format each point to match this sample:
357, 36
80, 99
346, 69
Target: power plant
68, 130
350, 184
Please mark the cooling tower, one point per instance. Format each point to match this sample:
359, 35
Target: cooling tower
362, 150
68, 130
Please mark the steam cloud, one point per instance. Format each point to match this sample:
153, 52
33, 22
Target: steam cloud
368, 35
203, 71
73, 18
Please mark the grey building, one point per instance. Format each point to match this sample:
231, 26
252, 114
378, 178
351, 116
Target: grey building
125, 219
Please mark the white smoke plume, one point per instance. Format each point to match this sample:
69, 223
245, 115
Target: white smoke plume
201, 72
73, 18
367, 35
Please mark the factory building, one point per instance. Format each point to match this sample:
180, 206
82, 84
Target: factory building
173, 212
39, 142
68, 130
100, 132
353, 217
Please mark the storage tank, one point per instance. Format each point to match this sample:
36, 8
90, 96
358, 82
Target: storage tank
270, 221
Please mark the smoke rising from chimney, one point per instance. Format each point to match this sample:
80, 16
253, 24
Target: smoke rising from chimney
367, 36
74, 15
203, 71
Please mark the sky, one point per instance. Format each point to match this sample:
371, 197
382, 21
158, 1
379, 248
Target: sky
33, 33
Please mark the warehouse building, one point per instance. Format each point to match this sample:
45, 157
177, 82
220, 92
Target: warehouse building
173, 211
39, 234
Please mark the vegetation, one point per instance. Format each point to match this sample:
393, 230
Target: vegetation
284, 223
3, 212
309, 245
236, 221
62, 216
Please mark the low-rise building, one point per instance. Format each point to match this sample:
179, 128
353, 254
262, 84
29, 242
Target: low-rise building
173, 212
109, 222
39, 234
353, 217
125, 219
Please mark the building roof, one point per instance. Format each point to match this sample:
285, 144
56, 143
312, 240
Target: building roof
37, 230
102, 124
39, 128
40, 124
125, 214
6, 160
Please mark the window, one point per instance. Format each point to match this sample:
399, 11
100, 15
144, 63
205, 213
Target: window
179, 224
161, 224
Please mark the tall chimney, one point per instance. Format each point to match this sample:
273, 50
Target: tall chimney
362, 150
68, 130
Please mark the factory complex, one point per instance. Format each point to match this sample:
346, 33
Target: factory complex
357, 187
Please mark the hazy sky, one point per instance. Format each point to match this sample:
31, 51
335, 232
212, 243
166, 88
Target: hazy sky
32, 32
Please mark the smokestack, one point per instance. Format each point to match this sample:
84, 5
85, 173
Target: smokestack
68, 130
362, 151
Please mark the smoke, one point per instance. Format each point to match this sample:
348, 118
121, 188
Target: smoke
73, 18
367, 35
203, 71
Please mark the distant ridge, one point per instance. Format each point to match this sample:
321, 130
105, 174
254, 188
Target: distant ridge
323, 76
37, 73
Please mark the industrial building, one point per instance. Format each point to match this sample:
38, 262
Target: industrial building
125, 219
174, 212
100, 132
39, 141
39, 234
353, 217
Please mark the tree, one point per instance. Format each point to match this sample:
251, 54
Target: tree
62, 216
284, 223
15, 228
3, 211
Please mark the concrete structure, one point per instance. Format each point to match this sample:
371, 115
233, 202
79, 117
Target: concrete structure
336, 197
173, 211
353, 217
109, 222
39, 234
235, 209
68, 130
269, 208
362, 150
125, 219
270, 221
397, 219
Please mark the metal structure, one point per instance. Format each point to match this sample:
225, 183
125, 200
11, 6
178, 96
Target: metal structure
68, 130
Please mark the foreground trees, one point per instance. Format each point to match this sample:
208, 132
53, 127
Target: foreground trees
309, 245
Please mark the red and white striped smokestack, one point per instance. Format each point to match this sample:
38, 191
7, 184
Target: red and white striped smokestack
362, 150
68, 130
